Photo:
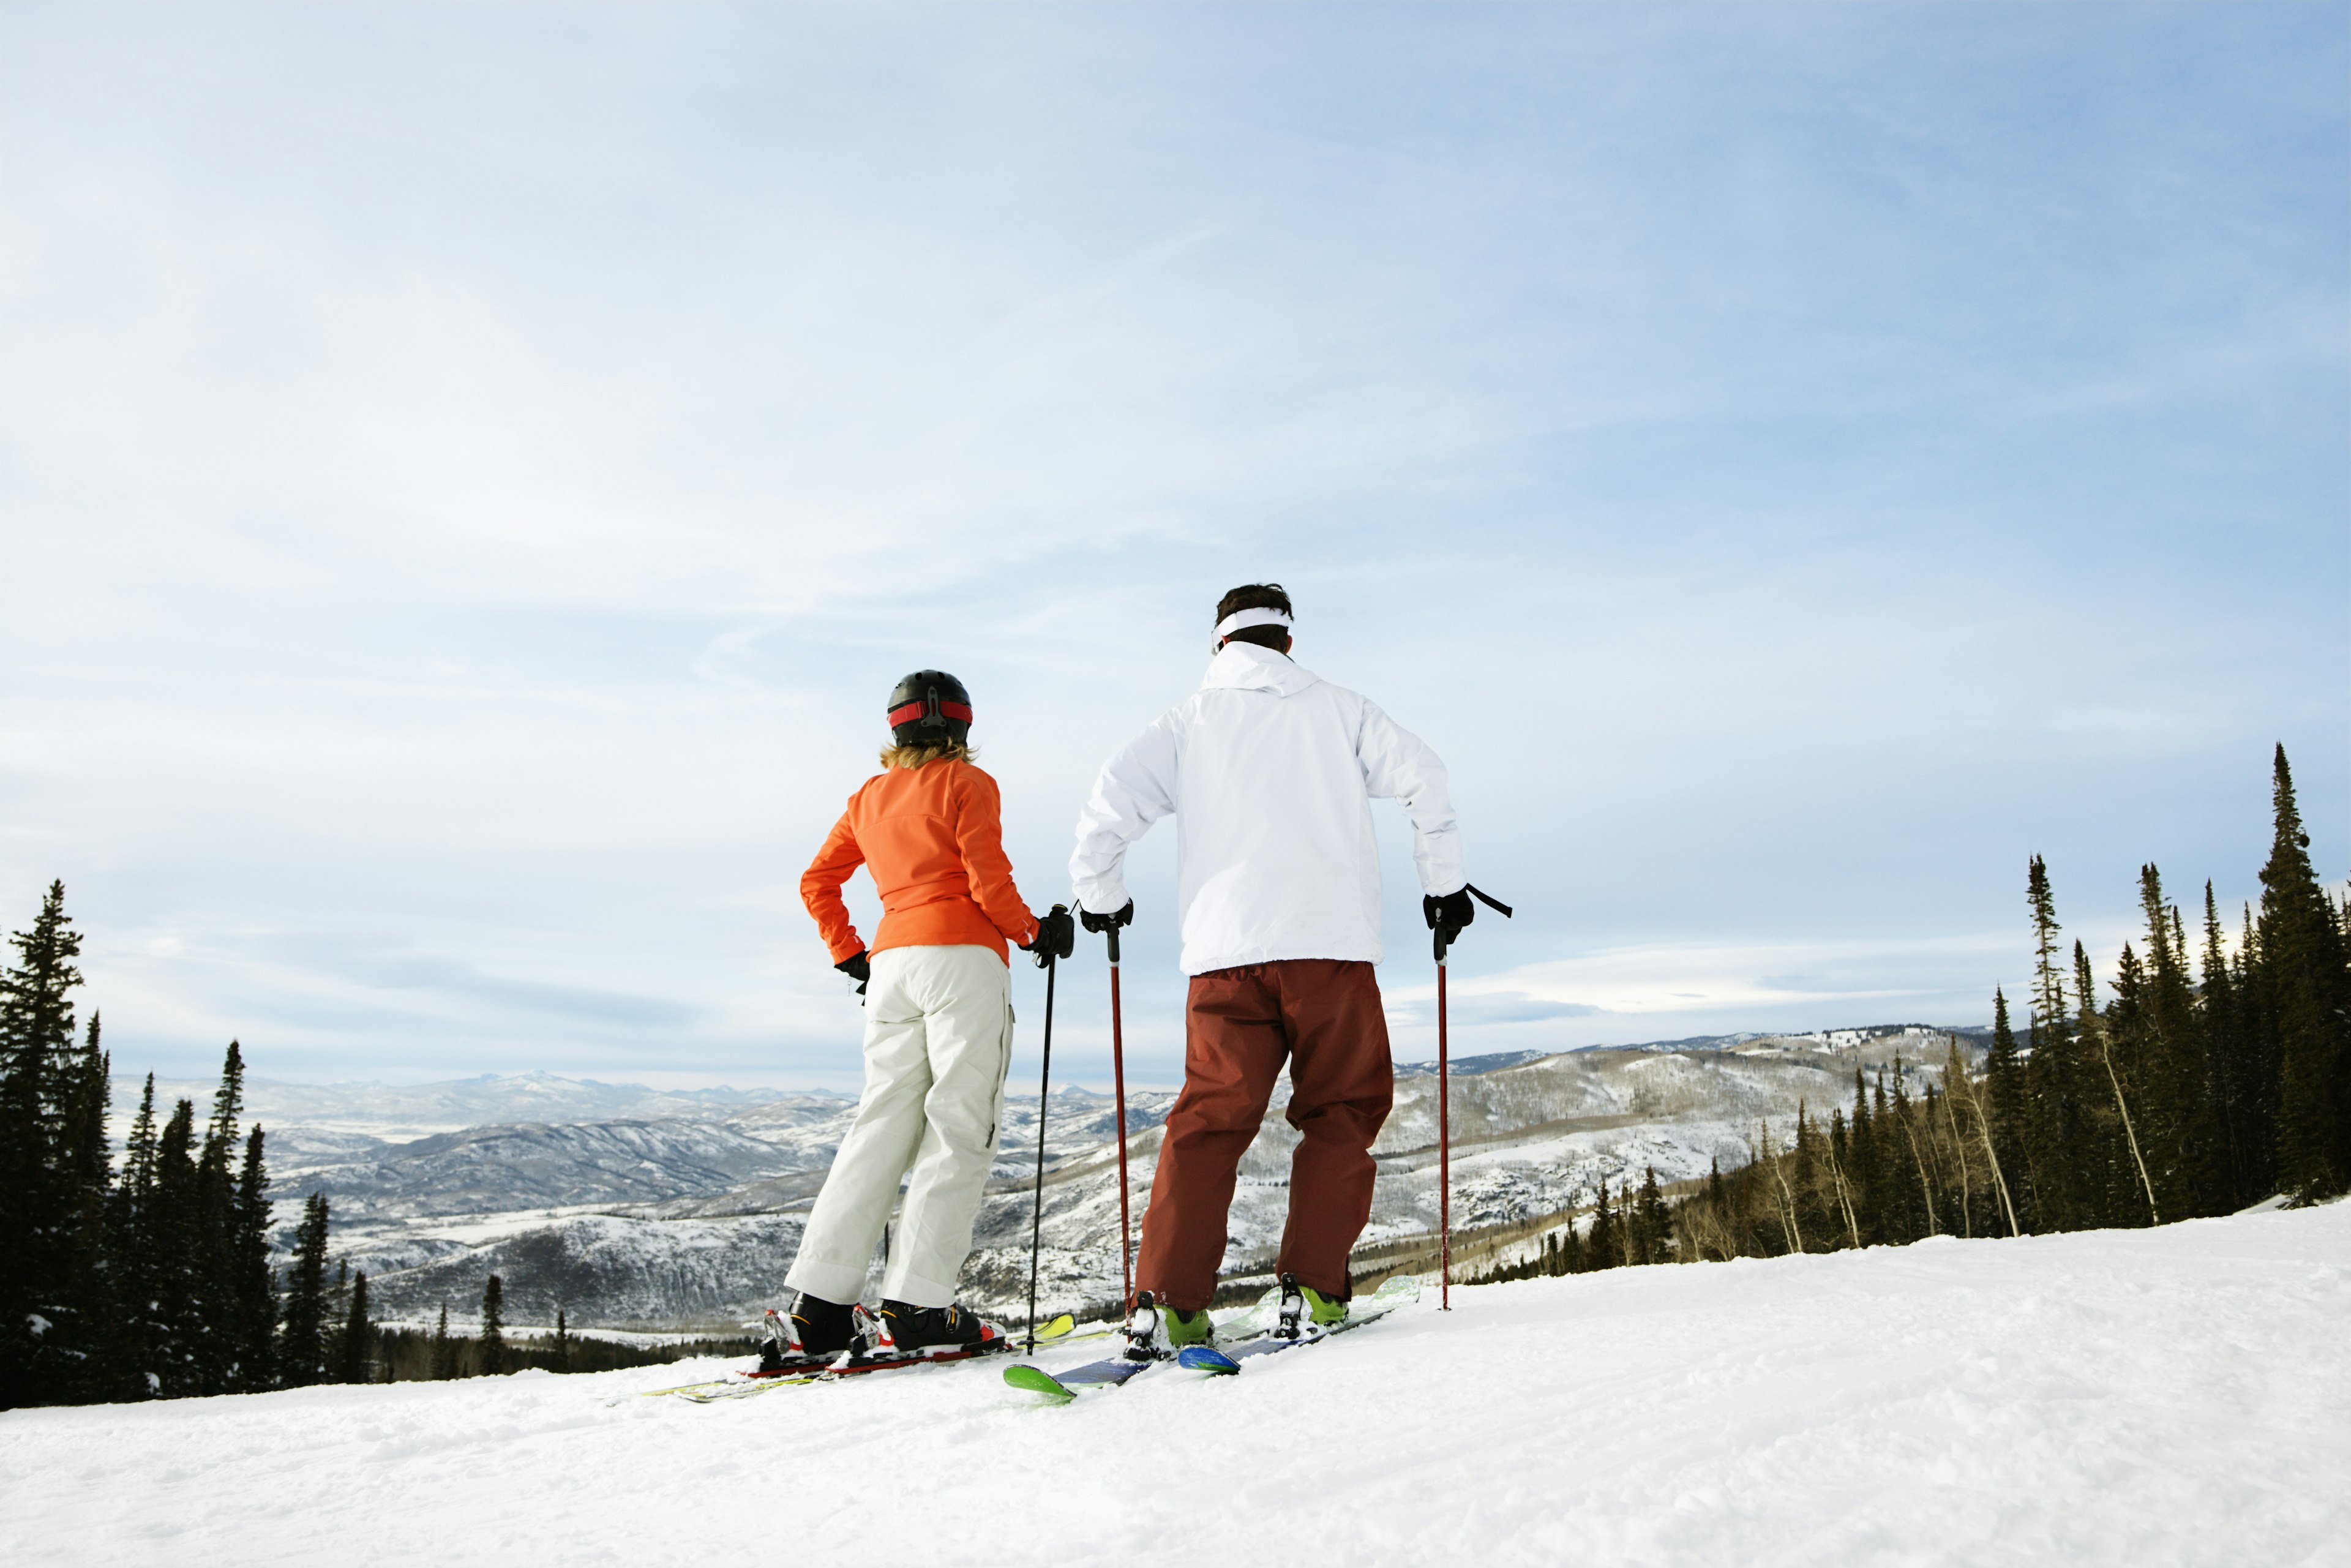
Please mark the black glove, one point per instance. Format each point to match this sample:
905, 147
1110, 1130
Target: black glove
1057, 936
1111, 922
1448, 915
857, 968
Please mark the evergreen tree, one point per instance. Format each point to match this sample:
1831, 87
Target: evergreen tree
2002, 1115
355, 1346
2235, 1091
494, 1328
2184, 1142
170, 1243
1909, 1207
563, 1336
221, 1351
2309, 1006
1652, 1226
252, 1293
2058, 1143
1603, 1248
444, 1349
38, 1350
2117, 1186
130, 1221
302, 1345
90, 1294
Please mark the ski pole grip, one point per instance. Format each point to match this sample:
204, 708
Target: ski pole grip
1112, 934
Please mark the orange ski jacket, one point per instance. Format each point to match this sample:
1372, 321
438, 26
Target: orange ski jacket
933, 838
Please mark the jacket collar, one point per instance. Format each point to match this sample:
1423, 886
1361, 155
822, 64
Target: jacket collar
1248, 667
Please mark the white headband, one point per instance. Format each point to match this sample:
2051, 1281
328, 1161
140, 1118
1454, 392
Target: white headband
1241, 618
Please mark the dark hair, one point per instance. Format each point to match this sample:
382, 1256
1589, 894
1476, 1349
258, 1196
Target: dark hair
1259, 596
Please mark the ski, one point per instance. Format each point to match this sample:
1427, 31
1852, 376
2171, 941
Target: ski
1228, 1358
1061, 1387
740, 1385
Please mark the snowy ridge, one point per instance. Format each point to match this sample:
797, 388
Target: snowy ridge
431, 1218
2057, 1401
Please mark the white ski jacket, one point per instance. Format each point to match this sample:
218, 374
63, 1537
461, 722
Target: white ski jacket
1270, 772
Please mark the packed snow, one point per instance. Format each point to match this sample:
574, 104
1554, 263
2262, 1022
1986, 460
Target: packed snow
2150, 1397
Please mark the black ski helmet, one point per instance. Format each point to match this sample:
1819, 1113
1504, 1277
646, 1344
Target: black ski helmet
929, 706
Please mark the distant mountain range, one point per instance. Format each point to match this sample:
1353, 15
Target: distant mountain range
399, 1111
629, 1207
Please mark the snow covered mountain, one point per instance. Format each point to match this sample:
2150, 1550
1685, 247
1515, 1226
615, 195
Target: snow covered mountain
694, 1221
399, 1112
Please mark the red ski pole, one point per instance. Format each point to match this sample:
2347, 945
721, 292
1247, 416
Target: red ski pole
1445, 935
1444, 1148
1118, 1084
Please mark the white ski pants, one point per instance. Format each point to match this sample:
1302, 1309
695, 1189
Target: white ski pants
938, 1041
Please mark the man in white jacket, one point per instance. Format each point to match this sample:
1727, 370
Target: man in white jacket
1271, 773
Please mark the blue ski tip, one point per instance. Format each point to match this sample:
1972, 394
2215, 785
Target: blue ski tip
1207, 1358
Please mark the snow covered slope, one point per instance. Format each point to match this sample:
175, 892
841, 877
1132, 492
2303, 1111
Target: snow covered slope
2152, 1397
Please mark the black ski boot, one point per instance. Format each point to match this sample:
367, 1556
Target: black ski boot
919, 1331
821, 1329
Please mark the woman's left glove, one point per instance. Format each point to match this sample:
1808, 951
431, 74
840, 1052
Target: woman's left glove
1057, 936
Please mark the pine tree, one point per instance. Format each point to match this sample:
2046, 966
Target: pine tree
36, 1038
86, 1337
129, 1220
301, 1346
1603, 1248
444, 1349
169, 1257
222, 1354
2001, 1116
2124, 1191
1652, 1225
2059, 1145
355, 1346
2304, 979
252, 1293
563, 1339
2234, 1092
494, 1328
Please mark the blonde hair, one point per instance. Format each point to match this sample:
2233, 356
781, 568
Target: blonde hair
928, 751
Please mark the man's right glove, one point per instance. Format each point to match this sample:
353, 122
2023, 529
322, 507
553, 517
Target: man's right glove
1110, 922
1057, 936
1448, 915
858, 968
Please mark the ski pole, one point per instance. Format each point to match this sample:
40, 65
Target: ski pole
1444, 1147
1118, 1084
1444, 1100
1044, 1093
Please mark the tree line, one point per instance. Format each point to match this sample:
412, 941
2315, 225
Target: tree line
152, 1280
2215, 1076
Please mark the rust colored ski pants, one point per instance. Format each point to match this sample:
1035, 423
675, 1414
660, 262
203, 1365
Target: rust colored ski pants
1323, 1015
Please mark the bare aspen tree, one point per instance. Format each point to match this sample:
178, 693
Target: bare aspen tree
1844, 1201
1955, 1070
1787, 1198
1991, 1156
2093, 1024
1925, 1182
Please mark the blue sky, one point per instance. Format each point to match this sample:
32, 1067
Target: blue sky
471, 475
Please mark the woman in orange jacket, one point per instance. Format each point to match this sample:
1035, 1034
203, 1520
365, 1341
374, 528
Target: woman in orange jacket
938, 1026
